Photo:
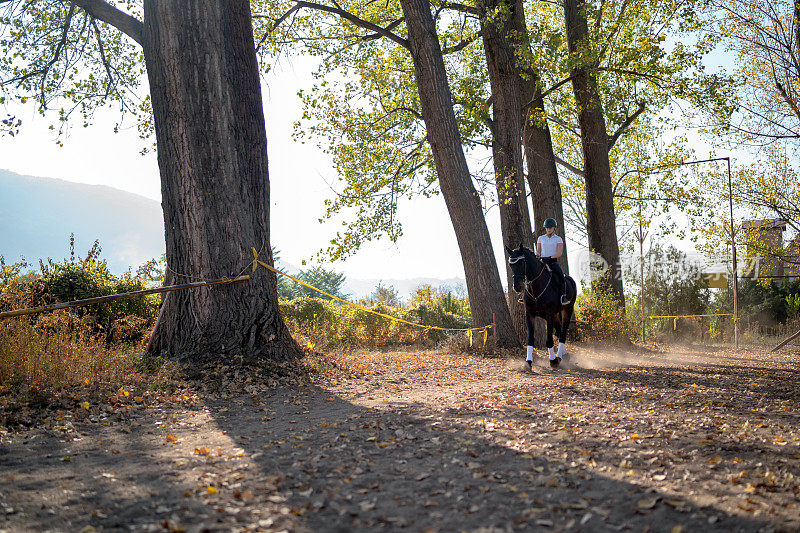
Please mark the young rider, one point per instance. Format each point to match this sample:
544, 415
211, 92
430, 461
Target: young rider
549, 247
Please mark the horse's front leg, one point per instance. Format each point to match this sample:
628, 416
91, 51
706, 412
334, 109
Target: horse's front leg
565, 318
529, 325
549, 344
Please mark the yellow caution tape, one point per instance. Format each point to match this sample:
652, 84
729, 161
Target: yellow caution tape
485, 329
688, 316
676, 317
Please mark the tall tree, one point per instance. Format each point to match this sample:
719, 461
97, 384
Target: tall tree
212, 152
600, 216
517, 104
401, 100
764, 38
455, 181
540, 157
505, 125
621, 68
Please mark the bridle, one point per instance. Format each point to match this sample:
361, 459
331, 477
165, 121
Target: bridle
529, 283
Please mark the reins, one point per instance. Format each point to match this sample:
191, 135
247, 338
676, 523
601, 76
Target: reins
529, 283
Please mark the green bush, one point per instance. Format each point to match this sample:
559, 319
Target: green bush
600, 318
792, 305
319, 277
68, 349
383, 294
72, 279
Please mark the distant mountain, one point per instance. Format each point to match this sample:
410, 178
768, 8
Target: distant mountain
37, 216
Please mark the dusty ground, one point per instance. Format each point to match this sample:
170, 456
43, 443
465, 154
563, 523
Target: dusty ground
679, 440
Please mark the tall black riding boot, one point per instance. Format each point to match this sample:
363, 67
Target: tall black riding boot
564, 297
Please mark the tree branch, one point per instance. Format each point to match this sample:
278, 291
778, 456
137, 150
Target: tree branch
414, 112
571, 168
569, 127
553, 88
103, 56
791, 103
615, 29
277, 23
390, 27
633, 73
357, 21
463, 44
57, 53
461, 7
109, 14
628, 121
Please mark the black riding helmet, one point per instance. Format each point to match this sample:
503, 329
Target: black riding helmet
550, 223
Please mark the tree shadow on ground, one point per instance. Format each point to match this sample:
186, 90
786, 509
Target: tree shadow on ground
342, 466
306, 458
111, 473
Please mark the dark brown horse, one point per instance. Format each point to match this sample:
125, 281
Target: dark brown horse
541, 293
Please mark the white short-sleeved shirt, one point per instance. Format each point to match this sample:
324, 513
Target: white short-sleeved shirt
549, 244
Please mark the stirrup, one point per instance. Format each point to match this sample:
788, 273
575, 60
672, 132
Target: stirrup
565, 299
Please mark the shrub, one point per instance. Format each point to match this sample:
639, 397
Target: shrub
127, 320
384, 295
331, 324
600, 318
99, 344
792, 305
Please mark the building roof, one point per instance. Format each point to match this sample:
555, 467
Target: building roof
769, 223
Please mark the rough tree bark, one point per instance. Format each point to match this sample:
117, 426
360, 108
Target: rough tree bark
542, 173
600, 217
212, 155
506, 127
480, 269
538, 144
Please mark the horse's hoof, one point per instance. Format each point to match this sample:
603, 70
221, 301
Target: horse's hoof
554, 362
530, 364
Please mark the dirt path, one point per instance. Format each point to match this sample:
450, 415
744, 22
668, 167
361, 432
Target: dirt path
685, 440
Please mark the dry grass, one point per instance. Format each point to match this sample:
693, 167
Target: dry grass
58, 351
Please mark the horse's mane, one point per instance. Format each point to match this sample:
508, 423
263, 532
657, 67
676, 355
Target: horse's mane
529, 255
533, 263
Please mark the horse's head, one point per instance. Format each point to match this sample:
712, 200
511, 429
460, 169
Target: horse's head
518, 261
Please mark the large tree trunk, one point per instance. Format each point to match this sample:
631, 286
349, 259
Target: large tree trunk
538, 145
212, 154
506, 126
541, 162
600, 218
480, 268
